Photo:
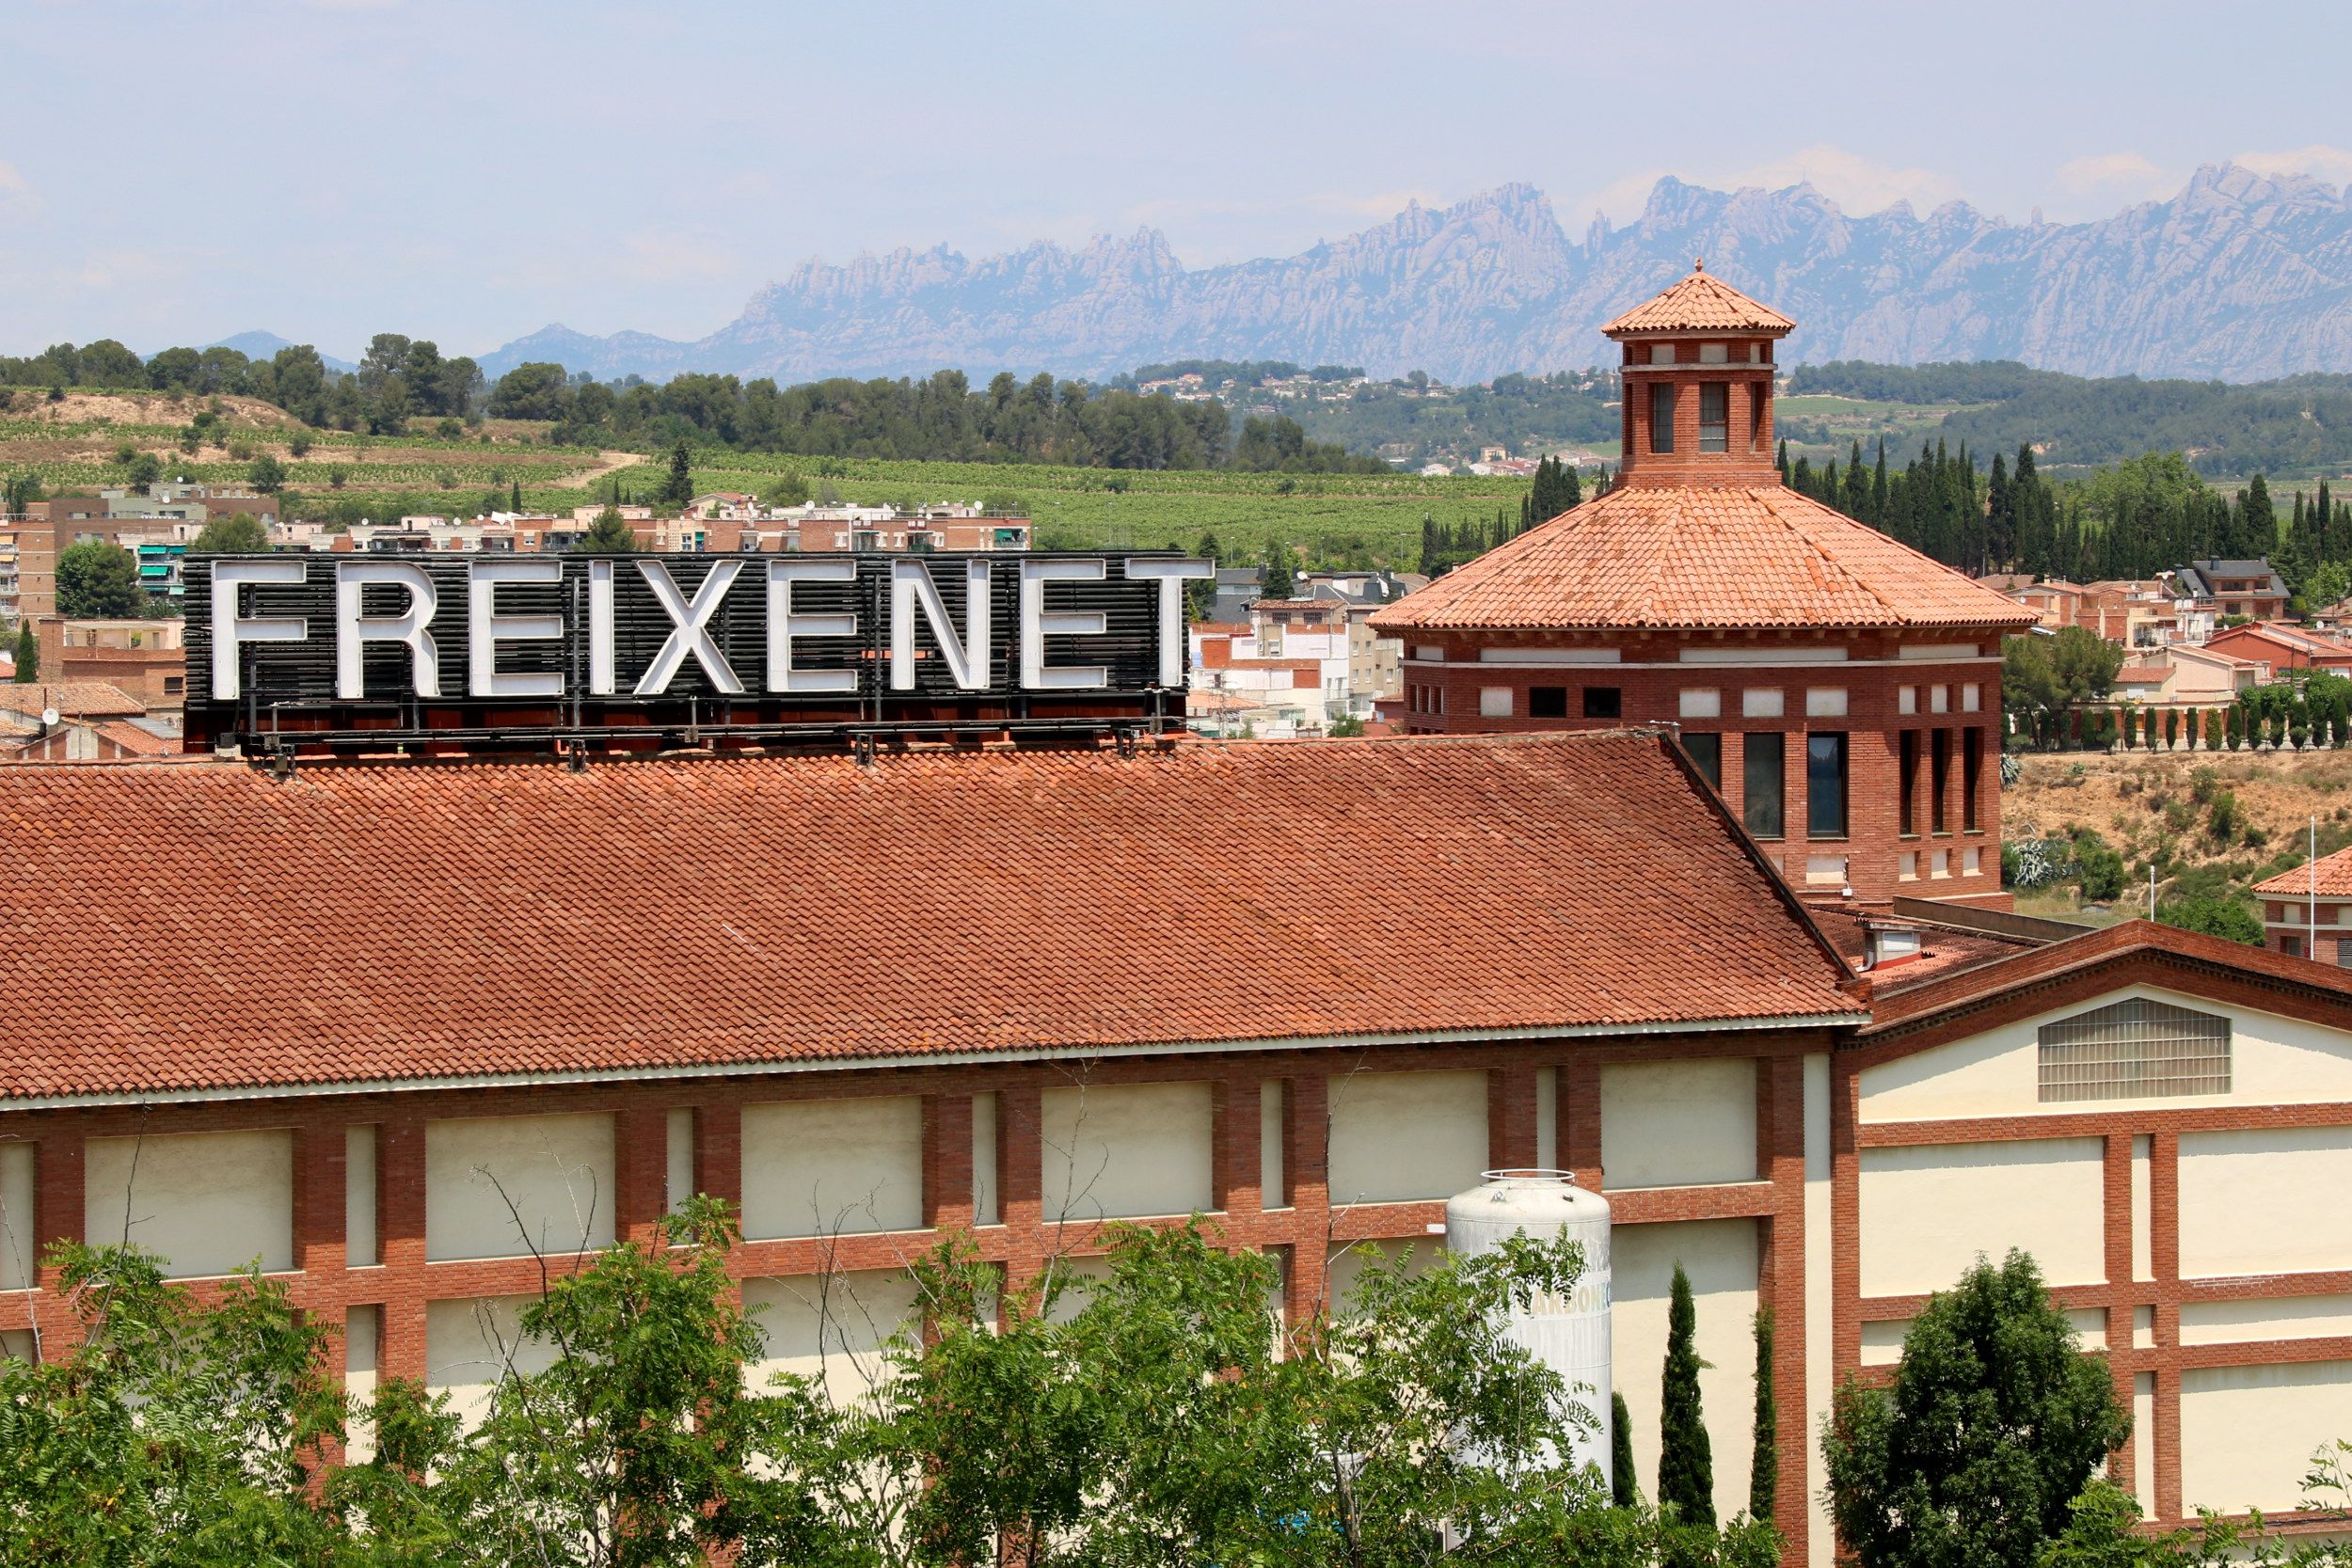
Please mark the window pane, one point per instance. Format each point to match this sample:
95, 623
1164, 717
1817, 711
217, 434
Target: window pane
1761, 807
1705, 752
1547, 701
2136, 1050
1714, 416
1909, 785
1971, 764
1940, 780
1602, 702
1825, 786
1661, 417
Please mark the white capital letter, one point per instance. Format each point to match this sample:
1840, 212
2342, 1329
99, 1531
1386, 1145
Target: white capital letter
967, 657
230, 628
1172, 574
486, 629
1037, 626
689, 628
601, 682
783, 625
353, 630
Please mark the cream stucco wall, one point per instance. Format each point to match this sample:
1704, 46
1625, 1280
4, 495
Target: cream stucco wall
2144, 1442
1397, 1136
359, 1182
209, 1202
823, 1167
2274, 1061
1927, 1210
468, 1345
2248, 1199
678, 1177
1677, 1124
1122, 1149
2247, 1432
1720, 1256
833, 1328
363, 1344
20, 1247
555, 1172
2221, 1323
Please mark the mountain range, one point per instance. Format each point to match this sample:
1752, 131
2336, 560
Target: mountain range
2240, 277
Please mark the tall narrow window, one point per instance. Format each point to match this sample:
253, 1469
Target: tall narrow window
1661, 416
1761, 761
1971, 764
1825, 786
1759, 400
1909, 773
1714, 416
1940, 779
1705, 752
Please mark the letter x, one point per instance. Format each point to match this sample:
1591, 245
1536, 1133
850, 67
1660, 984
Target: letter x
690, 622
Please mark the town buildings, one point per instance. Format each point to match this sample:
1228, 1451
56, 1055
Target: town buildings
2306, 911
1028, 992
1841, 691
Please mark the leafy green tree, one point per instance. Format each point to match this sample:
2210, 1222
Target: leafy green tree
1764, 1468
169, 1434
143, 469
27, 653
1686, 1464
98, 581
1346, 727
2230, 918
267, 475
233, 535
1994, 1422
1625, 1487
1281, 582
610, 534
679, 488
18, 491
786, 489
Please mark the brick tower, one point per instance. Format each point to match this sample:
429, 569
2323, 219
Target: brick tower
1841, 691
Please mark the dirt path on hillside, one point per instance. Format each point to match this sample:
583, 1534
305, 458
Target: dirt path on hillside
606, 463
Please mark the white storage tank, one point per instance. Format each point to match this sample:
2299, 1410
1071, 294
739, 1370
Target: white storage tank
1571, 1335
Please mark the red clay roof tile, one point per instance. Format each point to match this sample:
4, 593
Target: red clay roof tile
1697, 556
371, 923
2333, 873
1700, 303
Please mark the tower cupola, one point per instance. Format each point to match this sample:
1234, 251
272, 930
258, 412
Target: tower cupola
1697, 380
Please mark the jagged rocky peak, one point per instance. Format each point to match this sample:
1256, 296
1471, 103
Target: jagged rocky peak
1491, 284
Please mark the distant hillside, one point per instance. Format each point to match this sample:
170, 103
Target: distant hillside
264, 345
2239, 278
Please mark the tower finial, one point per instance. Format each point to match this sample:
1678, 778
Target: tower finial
1698, 263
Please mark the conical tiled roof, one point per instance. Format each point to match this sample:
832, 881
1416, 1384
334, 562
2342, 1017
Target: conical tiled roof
1700, 303
1703, 556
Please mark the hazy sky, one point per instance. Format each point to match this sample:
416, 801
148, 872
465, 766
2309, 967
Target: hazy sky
176, 172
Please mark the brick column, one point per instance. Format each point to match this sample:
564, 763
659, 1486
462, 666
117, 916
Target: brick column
320, 1211
400, 1243
59, 1213
1781, 1094
1511, 1118
1579, 1121
2116, 1189
947, 1162
1307, 1170
641, 1166
1237, 1184
1020, 1163
2164, 1257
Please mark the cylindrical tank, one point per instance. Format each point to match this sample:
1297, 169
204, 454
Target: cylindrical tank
1570, 1335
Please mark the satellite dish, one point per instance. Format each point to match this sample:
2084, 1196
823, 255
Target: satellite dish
49, 715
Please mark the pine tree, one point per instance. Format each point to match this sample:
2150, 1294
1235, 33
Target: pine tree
1686, 1465
679, 488
1764, 1467
1624, 1489
1784, 461
515, 502
27, 653
1281, 583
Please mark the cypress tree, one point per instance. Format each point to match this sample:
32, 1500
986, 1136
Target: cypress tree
1784, 461
1764, 1468
1686, 1464
27, 653
518, 497
1877, 490
1624, 1489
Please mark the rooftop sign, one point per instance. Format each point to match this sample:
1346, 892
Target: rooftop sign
344, 649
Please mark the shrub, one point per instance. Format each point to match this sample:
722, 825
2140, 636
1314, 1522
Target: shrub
2099, 867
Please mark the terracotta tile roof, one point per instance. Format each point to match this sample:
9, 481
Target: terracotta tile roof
2142, 675
1700, 303
1675, 556
1968, 989
2335, 878
1942, 948
365, 922
134, 740
71, 699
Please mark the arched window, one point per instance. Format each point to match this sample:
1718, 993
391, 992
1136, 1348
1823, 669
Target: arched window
2135, 1050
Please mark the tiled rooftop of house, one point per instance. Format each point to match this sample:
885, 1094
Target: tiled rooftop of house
82, 699
1691, 555
364, 923
1700, 303
2333, 874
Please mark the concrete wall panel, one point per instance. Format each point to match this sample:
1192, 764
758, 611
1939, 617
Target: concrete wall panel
209, 1202
2247, 1432
1398, 1136
1720, 1256
2248, 1199
1114, 1150
1928, 1210
1677, 1124
509, 1186
823, 1167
